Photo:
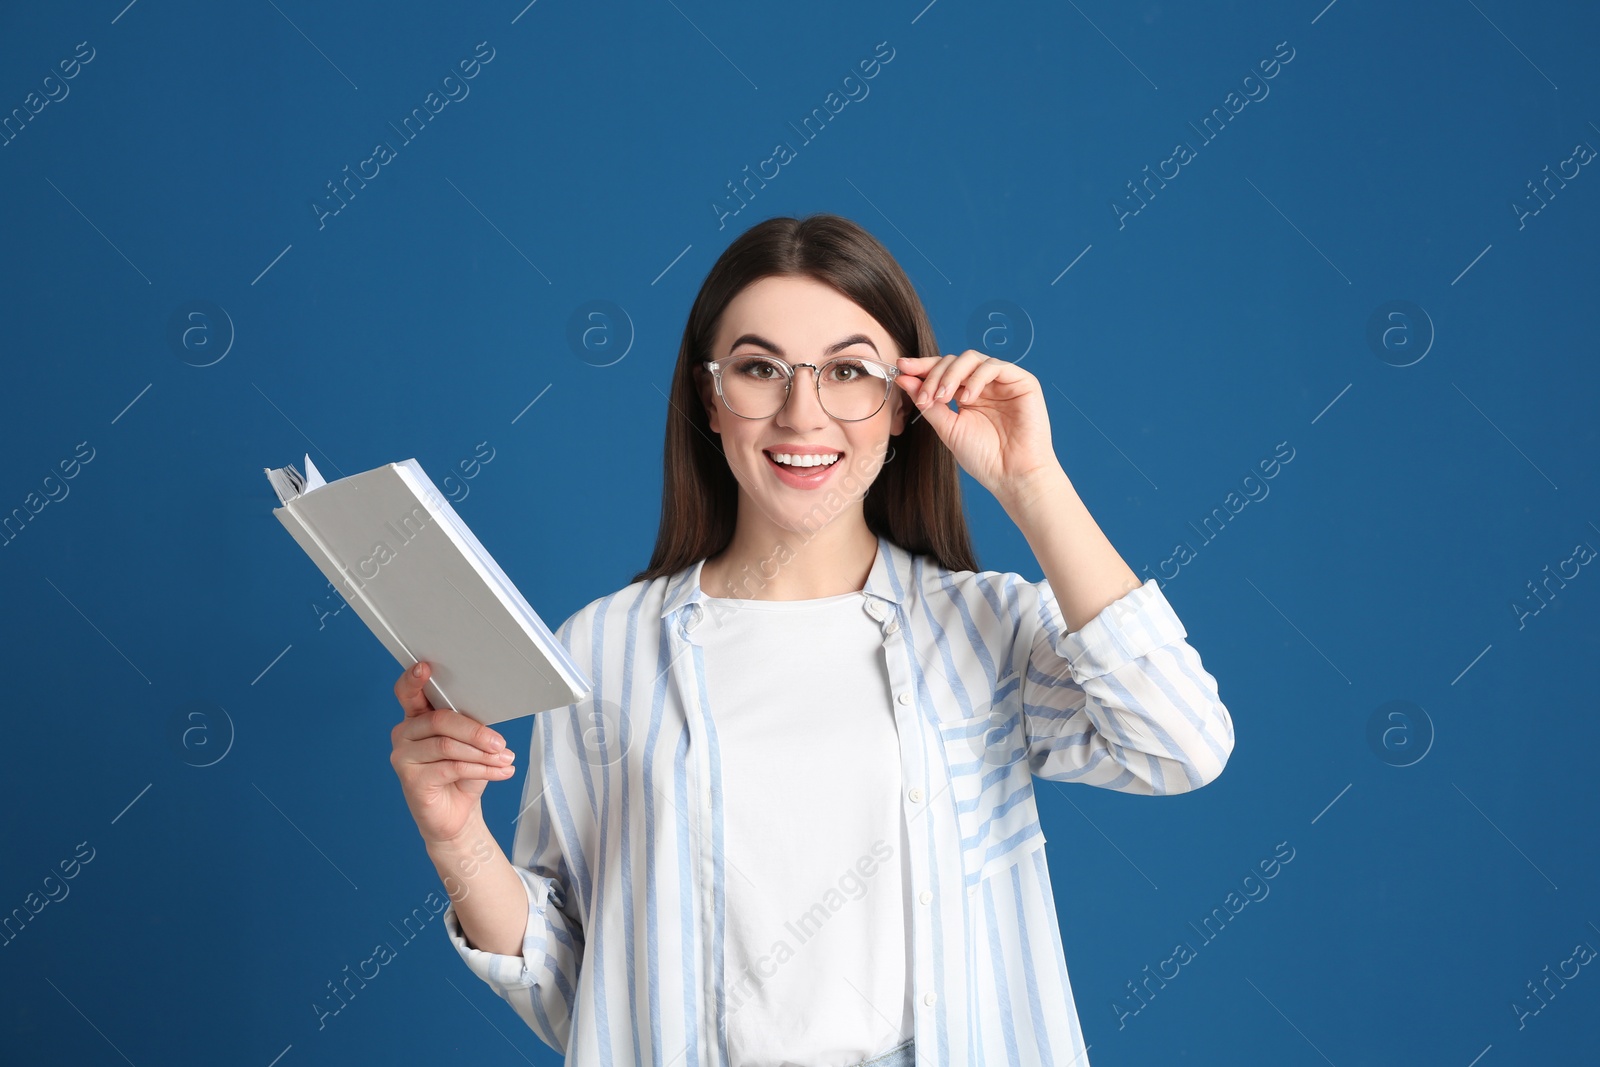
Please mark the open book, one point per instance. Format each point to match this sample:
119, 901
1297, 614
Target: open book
399, 554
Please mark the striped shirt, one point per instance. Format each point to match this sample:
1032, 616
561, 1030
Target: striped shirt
619, 841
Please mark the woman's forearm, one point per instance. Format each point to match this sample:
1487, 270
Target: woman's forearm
490, 900
1085, 571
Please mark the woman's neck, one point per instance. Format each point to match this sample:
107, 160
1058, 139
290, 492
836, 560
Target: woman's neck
781, 564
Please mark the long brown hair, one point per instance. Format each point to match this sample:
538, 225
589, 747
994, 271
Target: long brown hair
915, 501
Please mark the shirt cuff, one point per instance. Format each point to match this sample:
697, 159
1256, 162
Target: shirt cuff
1132, 626
498, 969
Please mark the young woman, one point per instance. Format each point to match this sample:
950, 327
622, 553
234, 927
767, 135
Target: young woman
794, 822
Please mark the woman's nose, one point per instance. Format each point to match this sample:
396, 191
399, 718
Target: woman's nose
803, 405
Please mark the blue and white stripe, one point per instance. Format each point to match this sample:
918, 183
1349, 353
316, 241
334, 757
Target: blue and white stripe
619, 841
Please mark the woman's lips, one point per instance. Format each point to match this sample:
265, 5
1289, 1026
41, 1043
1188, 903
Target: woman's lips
802, 477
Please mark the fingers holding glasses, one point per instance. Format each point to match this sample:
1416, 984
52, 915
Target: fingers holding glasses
981, 375
941, 376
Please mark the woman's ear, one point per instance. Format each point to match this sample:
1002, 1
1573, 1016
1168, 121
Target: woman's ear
897, 421
708, 398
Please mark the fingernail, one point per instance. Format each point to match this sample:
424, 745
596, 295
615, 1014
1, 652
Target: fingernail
417, 670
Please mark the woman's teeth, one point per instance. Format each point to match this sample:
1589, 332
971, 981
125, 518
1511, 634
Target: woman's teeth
804, 461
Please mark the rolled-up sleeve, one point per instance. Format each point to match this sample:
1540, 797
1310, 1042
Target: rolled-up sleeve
1122, 703
550, 947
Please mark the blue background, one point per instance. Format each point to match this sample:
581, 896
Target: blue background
184, 697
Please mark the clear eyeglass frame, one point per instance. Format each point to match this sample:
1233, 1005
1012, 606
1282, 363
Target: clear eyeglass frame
717, 366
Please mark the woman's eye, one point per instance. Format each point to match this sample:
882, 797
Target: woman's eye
756, 368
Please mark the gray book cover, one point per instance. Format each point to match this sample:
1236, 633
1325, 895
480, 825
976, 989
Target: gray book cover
417, 576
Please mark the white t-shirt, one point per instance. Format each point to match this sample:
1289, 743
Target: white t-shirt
817, 950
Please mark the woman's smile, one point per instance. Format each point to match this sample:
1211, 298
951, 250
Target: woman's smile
803, 468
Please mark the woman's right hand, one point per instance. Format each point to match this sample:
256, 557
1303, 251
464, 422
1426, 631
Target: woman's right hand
444, 760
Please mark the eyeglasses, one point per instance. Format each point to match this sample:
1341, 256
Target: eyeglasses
850, 388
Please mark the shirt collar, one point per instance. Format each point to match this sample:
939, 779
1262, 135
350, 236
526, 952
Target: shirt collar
888, 580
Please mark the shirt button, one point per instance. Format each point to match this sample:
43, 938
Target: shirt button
925, 897
894, 624
928, 999
915, 794
905, 698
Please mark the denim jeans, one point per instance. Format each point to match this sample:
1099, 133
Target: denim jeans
900, 1056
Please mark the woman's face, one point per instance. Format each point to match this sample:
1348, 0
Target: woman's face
801, 319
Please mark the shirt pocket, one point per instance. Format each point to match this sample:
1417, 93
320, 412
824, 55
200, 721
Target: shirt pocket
992, 788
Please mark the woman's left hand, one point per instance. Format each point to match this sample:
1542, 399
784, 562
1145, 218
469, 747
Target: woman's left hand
1001, 434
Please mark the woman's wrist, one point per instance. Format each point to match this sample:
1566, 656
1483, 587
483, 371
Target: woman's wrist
1044, 489
464, 861
466, 842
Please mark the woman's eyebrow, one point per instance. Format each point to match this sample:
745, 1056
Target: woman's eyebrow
762, 342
